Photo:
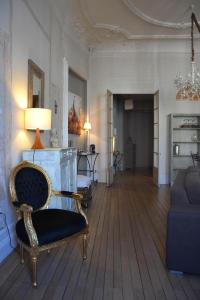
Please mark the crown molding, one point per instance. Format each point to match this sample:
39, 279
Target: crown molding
112, 53
144, 47
130, 36
153, 21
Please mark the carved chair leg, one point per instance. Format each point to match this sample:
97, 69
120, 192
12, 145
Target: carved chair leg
34, 270
84, 246
21, 254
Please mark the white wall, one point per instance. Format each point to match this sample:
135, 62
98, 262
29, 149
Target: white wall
36, 33
5, 16
28, 41
144, 68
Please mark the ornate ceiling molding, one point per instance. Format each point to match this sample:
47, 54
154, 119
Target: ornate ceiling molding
126, 33
114, 28
85, 11
153, 21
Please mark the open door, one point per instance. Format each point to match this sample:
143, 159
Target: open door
156, 154
109, 179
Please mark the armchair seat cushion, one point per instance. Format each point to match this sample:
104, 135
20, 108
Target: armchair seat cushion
52, 225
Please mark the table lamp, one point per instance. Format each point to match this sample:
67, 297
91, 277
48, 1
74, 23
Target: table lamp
37, 119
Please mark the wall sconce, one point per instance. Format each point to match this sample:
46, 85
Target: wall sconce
87, 127
37, 119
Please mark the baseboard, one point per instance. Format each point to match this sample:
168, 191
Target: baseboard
5, 247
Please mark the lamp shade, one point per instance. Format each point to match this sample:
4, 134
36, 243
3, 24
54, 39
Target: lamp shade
38, 118
87, 126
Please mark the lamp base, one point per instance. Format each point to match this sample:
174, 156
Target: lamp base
37, 144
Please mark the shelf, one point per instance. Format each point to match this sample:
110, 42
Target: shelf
182, 156
185, 115
176, 142
186, 128
179, 169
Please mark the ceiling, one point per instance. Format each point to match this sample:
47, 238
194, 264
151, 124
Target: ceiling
97, 22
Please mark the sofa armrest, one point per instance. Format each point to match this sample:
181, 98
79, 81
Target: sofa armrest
178, 192
183, 243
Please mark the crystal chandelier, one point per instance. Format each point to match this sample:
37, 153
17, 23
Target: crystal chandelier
189, 88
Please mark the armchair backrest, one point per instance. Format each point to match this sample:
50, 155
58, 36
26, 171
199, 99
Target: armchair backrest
30, 184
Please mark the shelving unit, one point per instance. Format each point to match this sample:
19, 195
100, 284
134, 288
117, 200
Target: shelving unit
185, 135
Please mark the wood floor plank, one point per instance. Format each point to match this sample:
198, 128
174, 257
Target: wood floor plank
147, 247
72, 284
162, 284
117, 277
158, 265
101, 264
8, 266
117, 294
98, 294
178, 290
130, 248
126, 272
144, 273
86, 278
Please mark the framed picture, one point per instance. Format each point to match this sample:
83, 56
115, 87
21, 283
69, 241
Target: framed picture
75, 114
35, 85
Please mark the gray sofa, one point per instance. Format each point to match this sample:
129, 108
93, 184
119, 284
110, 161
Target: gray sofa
183, 223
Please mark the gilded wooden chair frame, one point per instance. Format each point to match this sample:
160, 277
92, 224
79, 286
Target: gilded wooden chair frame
25, 211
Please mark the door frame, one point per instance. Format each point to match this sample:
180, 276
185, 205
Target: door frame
64, 104
110, 171
142, 92
156, 139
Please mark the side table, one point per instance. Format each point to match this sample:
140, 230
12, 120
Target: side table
91, 161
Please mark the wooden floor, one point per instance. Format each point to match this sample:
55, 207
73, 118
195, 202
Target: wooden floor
126, 254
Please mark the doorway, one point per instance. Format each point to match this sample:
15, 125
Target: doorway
133, 129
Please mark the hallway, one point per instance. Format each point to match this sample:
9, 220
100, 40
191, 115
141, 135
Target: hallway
126, 252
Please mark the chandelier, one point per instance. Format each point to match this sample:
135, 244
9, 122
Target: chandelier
189, 88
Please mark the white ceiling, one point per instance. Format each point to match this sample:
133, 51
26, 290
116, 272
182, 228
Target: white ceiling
95, 22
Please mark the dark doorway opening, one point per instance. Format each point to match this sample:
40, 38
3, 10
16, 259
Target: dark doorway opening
133, 132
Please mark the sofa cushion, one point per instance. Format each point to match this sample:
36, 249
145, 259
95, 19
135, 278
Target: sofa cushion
192, 186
